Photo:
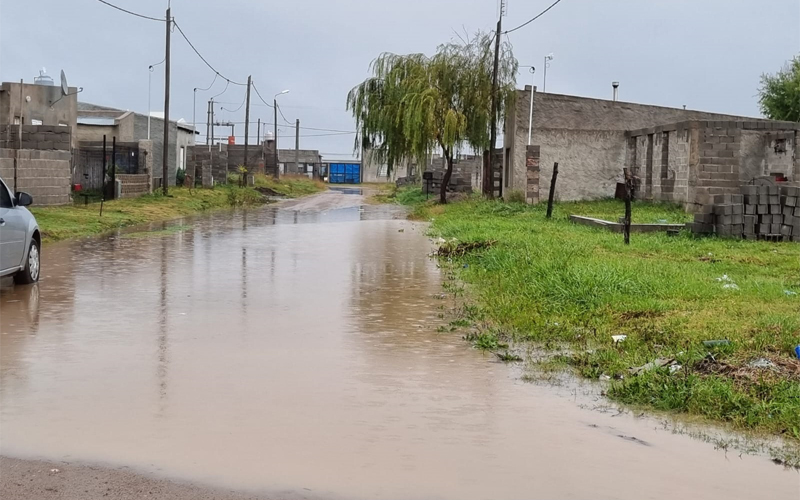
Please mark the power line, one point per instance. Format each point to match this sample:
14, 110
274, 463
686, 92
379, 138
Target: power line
212, 68
259, 96
131, 13
533, 19
284, 117
269, 124
227, 83
212, 83
237, 109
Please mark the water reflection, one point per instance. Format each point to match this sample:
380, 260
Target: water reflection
283, 349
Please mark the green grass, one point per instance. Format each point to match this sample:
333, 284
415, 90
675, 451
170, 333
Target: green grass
77, 220
551, 282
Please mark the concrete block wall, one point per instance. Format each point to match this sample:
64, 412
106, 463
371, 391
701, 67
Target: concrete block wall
209, 161
134, 185
45, 175
43, 137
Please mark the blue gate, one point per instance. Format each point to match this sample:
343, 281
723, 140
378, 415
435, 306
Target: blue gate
344, 173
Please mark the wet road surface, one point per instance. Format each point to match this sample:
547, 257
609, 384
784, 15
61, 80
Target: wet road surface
292, 351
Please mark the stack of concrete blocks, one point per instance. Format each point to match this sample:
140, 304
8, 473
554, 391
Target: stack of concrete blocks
759, 212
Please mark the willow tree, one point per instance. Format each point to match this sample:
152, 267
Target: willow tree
414, 105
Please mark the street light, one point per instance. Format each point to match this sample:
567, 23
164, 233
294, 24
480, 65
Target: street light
548, 57
275, 109
149, 80
530, 116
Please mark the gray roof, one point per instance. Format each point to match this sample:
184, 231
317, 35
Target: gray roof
86, 120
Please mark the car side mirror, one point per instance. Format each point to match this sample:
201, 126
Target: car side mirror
23, 199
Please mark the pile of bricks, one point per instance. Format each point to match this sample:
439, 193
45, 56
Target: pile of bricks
759, 212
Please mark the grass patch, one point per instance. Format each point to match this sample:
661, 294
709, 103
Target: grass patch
552, 282
77, 220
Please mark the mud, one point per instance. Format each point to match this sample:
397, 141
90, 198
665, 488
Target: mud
293, 349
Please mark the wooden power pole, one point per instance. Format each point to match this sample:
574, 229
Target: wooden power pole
488, 184
247, 122
165, 159
297, 147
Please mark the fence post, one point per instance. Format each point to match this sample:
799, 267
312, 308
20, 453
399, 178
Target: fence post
628, 196
552, 196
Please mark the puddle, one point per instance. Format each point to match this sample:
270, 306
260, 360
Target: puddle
296, 349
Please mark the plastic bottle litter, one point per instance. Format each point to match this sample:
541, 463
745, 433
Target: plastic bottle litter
797, 352
618, 338
789, 293
761, 363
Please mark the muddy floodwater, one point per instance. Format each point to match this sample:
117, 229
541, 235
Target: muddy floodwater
294, 348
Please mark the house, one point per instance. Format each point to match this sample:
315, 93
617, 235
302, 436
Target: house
128, 127
594, 139
308, 162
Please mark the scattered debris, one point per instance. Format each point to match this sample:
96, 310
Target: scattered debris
789, 293
604, 377
508, 357
658, 363
55, 471
797, 352
724, 278
455, 249
268, 192
674, 368
761, 363
619, 338
633, 439
716, 343
730, 286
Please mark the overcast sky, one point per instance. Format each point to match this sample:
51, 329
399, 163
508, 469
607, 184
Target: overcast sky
706, 54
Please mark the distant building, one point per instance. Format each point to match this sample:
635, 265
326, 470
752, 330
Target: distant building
41, 105
94, 121
308, 164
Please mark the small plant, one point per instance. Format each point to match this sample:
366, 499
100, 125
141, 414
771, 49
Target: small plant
516, 196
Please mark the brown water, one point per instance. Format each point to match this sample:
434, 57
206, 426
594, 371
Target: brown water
296, 348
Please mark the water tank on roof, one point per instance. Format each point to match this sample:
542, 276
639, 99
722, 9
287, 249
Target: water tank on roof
269, 136
43, 78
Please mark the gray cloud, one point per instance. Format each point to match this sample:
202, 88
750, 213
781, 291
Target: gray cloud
706, 54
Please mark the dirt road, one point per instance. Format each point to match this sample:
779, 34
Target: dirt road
301, 350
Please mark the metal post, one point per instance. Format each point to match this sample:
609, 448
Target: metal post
258, 133
297, 147
165, 159
208, 122
212, 121
246, 126
19, 144
530, 116
103, 178
552, 196
544, 80
275, 109
149, 93
113, 168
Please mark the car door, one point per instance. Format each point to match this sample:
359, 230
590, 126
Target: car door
13, 228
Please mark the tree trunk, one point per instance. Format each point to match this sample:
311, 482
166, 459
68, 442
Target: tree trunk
446, 178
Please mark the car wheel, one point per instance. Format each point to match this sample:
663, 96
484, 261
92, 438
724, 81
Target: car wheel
32, 266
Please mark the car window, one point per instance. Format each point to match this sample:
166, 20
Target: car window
5, 197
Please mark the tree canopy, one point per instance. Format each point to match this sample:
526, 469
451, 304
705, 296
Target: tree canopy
779, 95
414, 105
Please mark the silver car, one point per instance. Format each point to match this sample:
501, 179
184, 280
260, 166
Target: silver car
20, 240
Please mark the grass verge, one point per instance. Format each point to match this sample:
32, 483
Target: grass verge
553, 283
77, 220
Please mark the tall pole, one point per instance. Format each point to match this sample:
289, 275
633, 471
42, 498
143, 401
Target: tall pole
165, 159
149, 92
208, 122
544, 81
194, 112
247, 121
488, 183
258, 133
530, 116
19, 136
212, 121
275, 121
297, 147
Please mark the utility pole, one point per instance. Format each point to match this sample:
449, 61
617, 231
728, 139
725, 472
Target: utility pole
19, 136
212, 121
297, 147
258, 133
488, 180
165, 159
247, 121
275, 121
208, 122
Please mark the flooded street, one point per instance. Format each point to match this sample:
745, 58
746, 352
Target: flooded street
294, 349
